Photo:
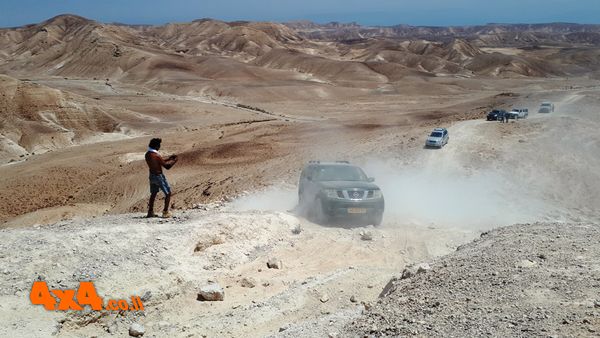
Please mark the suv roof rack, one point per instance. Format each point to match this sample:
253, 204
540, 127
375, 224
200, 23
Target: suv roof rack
313, 161
347, 162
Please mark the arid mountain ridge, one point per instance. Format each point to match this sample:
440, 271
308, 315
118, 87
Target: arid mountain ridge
513, 34
69, 45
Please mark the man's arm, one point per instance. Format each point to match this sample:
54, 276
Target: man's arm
170, 162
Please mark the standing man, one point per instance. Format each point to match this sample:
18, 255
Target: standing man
158, 181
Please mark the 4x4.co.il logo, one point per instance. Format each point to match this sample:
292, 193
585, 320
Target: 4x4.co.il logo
70, 299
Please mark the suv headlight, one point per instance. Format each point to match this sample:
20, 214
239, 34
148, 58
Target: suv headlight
330, 193
377, 194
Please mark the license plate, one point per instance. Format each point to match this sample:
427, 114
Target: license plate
357, 210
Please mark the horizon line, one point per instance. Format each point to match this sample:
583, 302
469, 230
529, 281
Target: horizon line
298, 21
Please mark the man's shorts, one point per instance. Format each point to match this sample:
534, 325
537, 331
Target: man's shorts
159, 182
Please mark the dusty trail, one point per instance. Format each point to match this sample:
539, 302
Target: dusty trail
99, 88
497, 168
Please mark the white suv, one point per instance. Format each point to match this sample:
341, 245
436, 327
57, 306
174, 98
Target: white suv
519, 113
439, 137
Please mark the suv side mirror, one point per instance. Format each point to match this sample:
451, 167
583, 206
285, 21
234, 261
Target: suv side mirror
371, 179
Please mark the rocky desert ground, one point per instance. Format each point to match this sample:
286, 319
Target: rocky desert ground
495, 234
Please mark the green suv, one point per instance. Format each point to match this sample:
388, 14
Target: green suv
339, 190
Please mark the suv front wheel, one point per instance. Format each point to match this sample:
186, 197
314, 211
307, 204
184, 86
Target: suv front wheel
376, 220
317, 213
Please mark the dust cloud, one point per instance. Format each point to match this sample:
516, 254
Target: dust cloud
447, 197
427, 197
281, 197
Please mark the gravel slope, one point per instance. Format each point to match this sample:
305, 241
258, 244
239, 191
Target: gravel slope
530, 280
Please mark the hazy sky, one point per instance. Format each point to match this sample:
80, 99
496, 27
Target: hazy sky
373, 12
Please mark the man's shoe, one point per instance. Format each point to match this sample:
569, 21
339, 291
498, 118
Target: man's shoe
166, 214
151, 215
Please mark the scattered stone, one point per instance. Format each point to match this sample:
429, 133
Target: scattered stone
297, 229
162, 325
324, 299
211, 293
388, 287
112, 328
247, 282
415, 269
366, 235
353, 299
274, 263
146, 296
423, 267
136, 330
526, 263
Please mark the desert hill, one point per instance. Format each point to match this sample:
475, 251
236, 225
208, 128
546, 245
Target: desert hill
36, 118
241, 40
492, 34
72, 46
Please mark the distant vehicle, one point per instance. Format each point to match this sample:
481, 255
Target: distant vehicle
338, 190
501, 115
518, 113
438, 138
496, 114
546, 107
513, 115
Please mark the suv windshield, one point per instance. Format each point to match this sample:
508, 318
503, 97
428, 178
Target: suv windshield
436, 134
339, 173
